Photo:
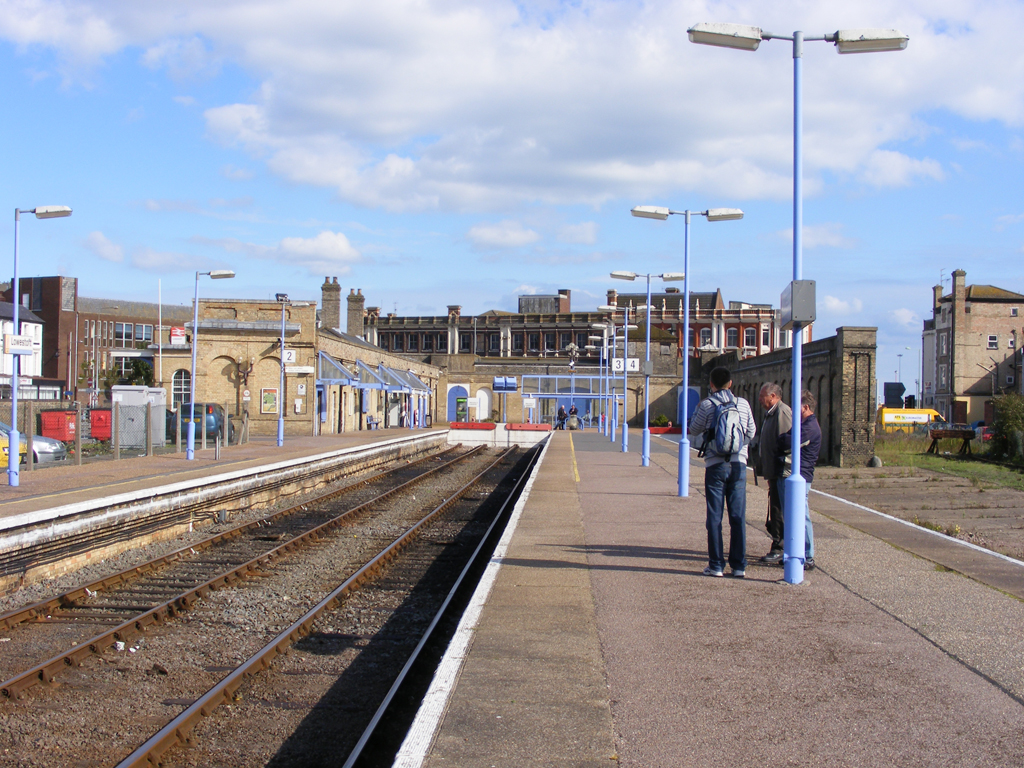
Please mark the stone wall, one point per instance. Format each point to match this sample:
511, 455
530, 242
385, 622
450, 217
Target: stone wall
839, 370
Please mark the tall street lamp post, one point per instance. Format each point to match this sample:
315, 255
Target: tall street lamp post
190, 440
602, 352
626, 328
645, 443
661, 214
749, 38
15, 348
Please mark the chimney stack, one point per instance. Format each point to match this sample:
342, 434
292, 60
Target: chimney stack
356, 312
330, 304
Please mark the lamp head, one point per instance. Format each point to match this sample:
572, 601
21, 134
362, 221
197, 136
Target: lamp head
668, 277
724, 214
221, 274
51, 211
282, 297
726, 35
650, 212
624, 275
607, 308
599, 326
869, 40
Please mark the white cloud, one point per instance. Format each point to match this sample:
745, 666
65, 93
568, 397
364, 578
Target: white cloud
504, 234
584, 233
1005, 221
458, 105
526, 290
885, 168
829, 235
151, 260
841, 307
329, 253
906, 317
97, 243
236, 174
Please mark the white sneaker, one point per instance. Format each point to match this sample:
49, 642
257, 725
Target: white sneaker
709, 571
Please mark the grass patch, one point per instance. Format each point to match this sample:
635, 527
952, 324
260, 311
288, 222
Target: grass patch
910, 451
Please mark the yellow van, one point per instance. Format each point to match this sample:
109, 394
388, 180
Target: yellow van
907, 419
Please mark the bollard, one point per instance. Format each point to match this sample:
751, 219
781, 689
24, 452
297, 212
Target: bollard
30, 428
203, 417
177, 430
149, 429
78, 434
216, 448
116, 433
245, 427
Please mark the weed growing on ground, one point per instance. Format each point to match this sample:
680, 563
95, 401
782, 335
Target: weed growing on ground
952, 530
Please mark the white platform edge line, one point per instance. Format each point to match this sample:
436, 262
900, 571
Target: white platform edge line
916, 527
428, 719
909, 524
53, 513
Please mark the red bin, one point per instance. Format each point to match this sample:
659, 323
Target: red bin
100, 420
59, 425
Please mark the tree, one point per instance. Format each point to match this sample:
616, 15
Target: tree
141, 373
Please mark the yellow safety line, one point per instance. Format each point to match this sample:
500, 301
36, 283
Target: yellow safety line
572, 450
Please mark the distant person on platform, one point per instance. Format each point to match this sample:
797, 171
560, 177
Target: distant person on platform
810, 447
562, 416
778, 419
727, 426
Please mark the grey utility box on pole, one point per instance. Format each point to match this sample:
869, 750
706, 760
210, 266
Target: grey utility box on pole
797, 304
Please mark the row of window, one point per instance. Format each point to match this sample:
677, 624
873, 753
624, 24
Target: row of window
414, 342
732, 337
993, 341
104, 333
546, 341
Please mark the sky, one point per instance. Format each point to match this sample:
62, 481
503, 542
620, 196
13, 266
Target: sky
436, 152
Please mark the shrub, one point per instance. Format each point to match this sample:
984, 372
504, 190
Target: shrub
660, 421
1008, 429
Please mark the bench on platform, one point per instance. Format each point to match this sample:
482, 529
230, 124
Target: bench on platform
372, 423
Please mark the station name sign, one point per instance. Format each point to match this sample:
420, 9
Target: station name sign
17, 345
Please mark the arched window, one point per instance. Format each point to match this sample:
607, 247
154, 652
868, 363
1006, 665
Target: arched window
181, 383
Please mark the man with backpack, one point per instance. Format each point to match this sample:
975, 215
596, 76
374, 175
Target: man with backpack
726, 424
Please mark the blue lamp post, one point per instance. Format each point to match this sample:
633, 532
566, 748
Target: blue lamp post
13, 438
712, 214
645, 444
749, 38
190, 440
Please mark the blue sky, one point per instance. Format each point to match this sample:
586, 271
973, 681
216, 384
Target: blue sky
444, 152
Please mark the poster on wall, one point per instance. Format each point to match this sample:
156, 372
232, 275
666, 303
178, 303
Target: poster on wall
268, 400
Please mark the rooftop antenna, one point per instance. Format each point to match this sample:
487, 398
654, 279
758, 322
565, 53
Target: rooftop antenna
942, 277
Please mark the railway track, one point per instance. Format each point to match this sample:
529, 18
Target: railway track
165, 600
130, 601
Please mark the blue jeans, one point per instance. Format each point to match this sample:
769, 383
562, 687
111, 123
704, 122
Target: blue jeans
808, 528
726, 484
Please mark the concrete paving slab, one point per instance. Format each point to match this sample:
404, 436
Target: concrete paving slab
880, 657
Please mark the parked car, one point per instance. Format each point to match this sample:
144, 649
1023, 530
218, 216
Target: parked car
44, 449
211, 412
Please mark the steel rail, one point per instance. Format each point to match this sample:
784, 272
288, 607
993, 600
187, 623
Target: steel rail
55, 550
178, 730
128, 630
368, 732
68, 599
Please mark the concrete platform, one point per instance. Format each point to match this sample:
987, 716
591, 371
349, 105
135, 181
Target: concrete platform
61, 485
601, 643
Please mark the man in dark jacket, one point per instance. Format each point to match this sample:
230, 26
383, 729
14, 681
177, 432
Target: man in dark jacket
778, 419
810, 447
